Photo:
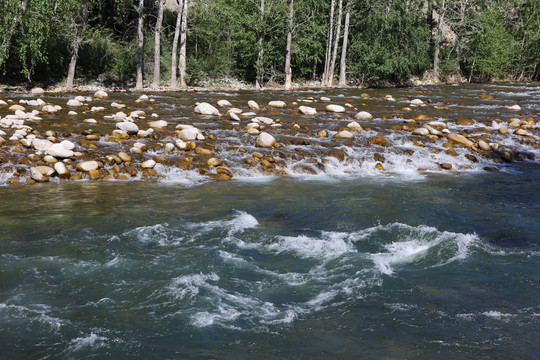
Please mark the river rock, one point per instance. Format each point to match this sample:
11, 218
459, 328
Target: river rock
41, 144
521, 132
354, 126
306, 110
45, 170
73, 102
62, 170
514, 107
322, 133
335, 108
206, 109
234, 116
87, 165
37, 91
438, 124
483, 145
417, 102
213, 162
224, 103
158, 124
67, 145
363, 116
59, 151
460, 139
344, 134
253, 105
325, 98
124, 157
277, 104
148, 164
189, 134
421, 131
182, 145
101, 94
503, 130
265, 140
128, 127
36, 175
16, 107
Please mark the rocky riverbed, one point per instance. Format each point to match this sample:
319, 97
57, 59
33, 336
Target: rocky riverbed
196, 137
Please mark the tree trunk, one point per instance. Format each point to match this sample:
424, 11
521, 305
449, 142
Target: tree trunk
183, 38
157, 46
175, 45
76, 44
140, 37
288, 70
7, 37
330, 34
336, 44
260, 51
343, 63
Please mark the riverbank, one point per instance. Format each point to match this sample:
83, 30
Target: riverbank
163, 136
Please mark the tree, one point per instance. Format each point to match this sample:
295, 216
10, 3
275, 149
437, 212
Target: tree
343, 64
330, 78
288, 71
183, 44
79, 27
175, 43
157, 45
140, 46
11, 20
327, 59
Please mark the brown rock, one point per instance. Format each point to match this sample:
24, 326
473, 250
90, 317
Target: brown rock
338, 154
446, 166
202, 151
94, 174
379, 140
460, 139
464, 122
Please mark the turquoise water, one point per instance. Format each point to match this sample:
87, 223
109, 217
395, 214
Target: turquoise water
443, 266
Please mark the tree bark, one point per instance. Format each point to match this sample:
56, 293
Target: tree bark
140, 37
343, 63
157, 46
260, 51
183, 38
173, 84
288, 70
330, 34
336, 44
7, 37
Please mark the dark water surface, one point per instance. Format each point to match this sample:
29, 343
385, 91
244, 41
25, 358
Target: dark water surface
441, 267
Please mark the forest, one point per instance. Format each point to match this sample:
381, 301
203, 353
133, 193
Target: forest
267, 43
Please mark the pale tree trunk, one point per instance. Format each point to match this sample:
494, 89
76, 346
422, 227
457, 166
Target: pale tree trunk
175, 45
260, 51
328, 54
7, 37
157, 46
336, 44
75, 50
343, 63
140, 37
183, 39
288, 70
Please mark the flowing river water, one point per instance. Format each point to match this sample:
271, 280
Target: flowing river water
315, 257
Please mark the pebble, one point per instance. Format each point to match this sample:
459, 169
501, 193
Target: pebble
62, 170
253, 105
213, 162
59, 151
224, 103
363, 116
100, 94
344, 134
148, 164
307, 110
277, 104
206, 109
128, 127
354, 126
460, 139
87, 165
514, 107
335, 108
265, 140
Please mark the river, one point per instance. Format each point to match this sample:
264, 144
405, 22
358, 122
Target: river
342, 262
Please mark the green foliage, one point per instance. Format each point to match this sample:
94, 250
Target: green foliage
389, 41
491, 46
392, 42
